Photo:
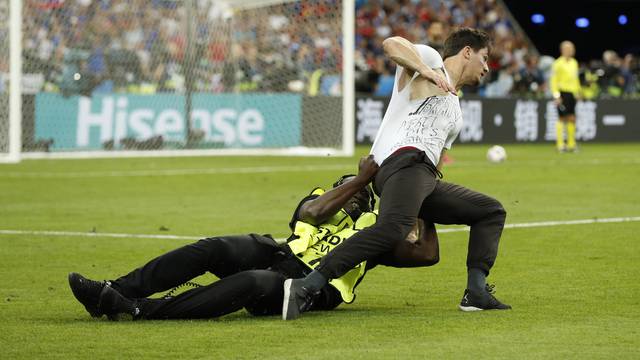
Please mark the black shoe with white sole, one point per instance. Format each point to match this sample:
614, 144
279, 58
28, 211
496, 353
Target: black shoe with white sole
484, 301
87, 292
113, 304
297, 299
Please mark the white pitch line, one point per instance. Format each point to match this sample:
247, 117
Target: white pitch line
181, 237
178, 172
573, 162
555, 223
96, 234
268, 169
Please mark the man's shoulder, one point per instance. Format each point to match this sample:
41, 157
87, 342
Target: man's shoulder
429, 55
428, 50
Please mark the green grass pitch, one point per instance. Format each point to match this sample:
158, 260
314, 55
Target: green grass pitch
574, 288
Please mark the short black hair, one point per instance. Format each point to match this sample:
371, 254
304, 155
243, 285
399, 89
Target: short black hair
476, 39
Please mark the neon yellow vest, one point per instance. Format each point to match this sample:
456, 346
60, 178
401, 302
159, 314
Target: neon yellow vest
314, 242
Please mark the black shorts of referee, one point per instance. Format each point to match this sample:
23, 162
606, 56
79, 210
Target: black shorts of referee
568, 106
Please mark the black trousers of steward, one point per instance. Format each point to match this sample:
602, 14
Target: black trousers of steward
409, 188
252, 269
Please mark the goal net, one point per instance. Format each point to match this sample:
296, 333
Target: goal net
191, 77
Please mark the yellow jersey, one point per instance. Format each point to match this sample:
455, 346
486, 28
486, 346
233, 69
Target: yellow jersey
565, 77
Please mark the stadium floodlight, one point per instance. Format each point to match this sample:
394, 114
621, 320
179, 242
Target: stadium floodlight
537, 19
622, 19
582, 22
183, 78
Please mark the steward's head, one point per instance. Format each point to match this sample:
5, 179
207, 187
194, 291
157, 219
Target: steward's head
362, 201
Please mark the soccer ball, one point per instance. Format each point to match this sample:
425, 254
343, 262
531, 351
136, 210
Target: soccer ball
496, 154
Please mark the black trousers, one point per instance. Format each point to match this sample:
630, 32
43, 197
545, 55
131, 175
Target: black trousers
568, 106
252, 269
409, 188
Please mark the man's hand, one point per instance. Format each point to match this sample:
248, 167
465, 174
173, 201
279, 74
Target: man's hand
367, 169
437, 79
557, 101
421, 248
320, 209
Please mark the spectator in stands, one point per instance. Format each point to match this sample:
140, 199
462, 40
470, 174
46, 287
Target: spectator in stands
629, 71
436, 34
529, 79
588, 82
612, 80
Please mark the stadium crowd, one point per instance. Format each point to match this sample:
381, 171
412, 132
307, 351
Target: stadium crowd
140, 46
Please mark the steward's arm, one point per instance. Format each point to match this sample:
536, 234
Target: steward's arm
318, 210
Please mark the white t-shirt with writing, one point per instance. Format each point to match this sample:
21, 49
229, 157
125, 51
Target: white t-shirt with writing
429, 124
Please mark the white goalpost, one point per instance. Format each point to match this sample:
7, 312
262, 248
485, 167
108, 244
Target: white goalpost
10, 112
88, 79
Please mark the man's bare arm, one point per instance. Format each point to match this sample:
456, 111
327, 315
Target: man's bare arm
404, 53
320, 209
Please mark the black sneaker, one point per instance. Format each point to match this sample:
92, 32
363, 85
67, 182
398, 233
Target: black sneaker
87, 292
478, 302
297, 299
113, 304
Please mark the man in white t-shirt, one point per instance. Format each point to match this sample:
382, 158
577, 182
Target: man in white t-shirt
420, 124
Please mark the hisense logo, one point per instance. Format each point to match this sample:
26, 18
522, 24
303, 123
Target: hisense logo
115, 120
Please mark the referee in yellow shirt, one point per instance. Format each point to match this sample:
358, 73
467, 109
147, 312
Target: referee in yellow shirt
565, 86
